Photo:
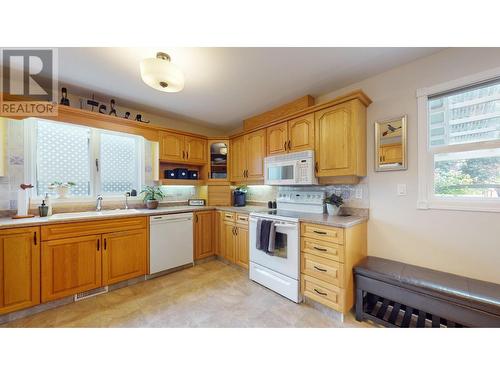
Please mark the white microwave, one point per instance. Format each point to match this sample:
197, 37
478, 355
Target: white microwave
295, 168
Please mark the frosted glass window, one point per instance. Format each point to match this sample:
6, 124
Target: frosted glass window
63, 155
119, 163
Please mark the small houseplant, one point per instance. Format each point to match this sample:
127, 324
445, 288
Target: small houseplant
333, 204
62, 188
152, 195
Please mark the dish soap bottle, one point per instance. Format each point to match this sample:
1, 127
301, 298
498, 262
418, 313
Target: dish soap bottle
49, 204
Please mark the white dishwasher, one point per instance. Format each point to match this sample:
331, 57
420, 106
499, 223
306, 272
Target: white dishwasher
170, 241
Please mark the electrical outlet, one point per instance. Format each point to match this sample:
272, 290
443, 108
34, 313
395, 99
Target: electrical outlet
401, 189
359, 193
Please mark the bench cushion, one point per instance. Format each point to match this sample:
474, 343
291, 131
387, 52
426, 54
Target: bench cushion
473, 293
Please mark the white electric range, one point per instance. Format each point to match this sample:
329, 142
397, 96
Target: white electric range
280, 271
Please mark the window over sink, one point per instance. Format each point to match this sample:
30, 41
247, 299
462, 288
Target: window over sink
96, 161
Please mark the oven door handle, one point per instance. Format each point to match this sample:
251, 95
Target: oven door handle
285, 226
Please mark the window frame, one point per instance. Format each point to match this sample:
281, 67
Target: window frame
426, 197
30, 156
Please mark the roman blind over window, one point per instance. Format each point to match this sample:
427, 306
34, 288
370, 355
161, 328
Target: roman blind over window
466, 115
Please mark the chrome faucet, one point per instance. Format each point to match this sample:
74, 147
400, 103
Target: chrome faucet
127, 194
98, 206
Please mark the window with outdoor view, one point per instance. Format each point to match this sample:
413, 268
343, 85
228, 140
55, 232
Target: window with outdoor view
463, 143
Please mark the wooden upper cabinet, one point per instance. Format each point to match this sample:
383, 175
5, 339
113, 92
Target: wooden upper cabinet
256, 151
172, 146
124, 256
19, 269
196, 149
340, 133
237, 159
70, 266
277, 139
301, 133
204, 232
182, 148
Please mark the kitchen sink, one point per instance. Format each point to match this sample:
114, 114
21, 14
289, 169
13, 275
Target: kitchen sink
85, 214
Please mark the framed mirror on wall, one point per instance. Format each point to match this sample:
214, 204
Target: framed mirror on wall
391, 144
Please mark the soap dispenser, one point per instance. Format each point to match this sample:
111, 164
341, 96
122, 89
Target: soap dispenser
43, 209
48, 202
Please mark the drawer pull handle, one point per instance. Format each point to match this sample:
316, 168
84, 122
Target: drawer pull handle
320, 269
319, 248
321, 293
319, 232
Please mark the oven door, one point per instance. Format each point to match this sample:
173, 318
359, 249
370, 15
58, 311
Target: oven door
280, 173
285, 259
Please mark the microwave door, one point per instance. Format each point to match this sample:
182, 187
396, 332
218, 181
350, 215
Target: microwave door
280, 174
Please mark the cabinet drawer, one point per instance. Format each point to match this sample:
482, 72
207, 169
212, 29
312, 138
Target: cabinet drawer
229, 216
328, 250
242, 219
323, 269
322, 232
324, 293
59, 231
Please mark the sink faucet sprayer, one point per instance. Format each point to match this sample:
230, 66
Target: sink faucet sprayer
98, 206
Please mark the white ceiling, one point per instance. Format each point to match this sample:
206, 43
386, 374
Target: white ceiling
225, 85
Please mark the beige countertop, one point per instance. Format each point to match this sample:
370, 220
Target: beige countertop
336, 221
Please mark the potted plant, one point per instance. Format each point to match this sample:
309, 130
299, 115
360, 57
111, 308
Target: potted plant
62, 188
152, 196
333, 204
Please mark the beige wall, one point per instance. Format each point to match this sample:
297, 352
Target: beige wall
466, 243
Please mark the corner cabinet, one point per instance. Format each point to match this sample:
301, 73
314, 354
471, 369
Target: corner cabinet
19, 269
179, 148
204, 234
340, 140
247, 157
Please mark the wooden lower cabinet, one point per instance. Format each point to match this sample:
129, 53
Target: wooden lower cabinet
19, 268
234, 238
204, 236
241, 246
124, 256
229, 242
73, 263
70, 266
328, 255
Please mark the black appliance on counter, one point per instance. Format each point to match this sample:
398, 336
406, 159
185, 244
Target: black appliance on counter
240, 198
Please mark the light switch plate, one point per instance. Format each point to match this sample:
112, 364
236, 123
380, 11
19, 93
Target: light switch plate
401, 189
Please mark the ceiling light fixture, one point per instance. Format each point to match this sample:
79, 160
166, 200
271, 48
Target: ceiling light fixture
160, 74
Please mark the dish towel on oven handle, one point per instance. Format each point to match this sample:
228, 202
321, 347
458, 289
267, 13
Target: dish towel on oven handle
265, 233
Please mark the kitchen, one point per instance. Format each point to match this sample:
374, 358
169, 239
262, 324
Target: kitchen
202, 187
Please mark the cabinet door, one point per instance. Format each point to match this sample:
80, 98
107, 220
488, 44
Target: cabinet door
70, 266
229, 242
203, 234
277, 139
237, 159
256, 151
242, 246
172, 147
19, 269
196, 150
123, 256
301, 133
334, 148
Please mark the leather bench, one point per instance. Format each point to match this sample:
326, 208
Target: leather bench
396, 294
